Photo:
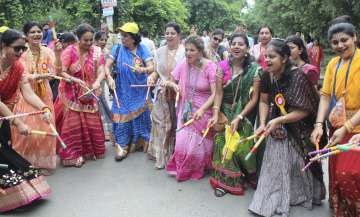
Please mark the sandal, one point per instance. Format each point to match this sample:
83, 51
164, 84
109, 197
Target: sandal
120, 153
219, 192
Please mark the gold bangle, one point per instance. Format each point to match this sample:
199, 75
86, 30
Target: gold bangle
58, 67
215, 107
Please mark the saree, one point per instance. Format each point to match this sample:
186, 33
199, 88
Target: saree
78, 119
131, 121
344, 175
192, 155
282, 184
20, 184
163, 115
231, 175
40, 151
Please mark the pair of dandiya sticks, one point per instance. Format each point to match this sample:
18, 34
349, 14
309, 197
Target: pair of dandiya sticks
52, 127
91, 91
188, 123
328, 151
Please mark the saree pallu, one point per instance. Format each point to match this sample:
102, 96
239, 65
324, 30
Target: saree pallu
39, 150
163, 126
344, 186
20, 185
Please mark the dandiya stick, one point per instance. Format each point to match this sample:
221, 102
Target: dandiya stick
86, 93
177, 99
147, 93
59, 78
185, 125
131, 67
43, 133
143, 85
88, 89
22, 115
57, 136
241, 141
256, 146
116, 99
325, 155
4, 166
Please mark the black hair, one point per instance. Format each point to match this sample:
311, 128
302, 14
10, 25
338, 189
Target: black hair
135, 37
265, 26
346, 28
300, 44
283, 50
99, 35
144, 33
197, 42
29, 25
10, 36
341, 19
173, 25
82, 29
67, 37
218, 32
248, 58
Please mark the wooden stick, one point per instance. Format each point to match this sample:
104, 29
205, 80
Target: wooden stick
57, 136
226, 151
86, 93
256, 146
4, 166
59, 78
147, 94
43, 133
185, 125
131, 67
177, 99
116, 99
22, 115
88, 89
241, 141
143, 85
325, 155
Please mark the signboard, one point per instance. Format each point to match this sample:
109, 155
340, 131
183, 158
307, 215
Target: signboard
108, 11
108, 3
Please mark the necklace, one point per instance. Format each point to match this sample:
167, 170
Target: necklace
4, 72
170, 59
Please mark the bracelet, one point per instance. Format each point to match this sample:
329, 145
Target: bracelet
321, 124
240, 117
215, 107
349, 126
58, 67
12, 122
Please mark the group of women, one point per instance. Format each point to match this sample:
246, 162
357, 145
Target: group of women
187, 107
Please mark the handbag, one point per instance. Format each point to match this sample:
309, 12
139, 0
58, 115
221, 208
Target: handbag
337, 108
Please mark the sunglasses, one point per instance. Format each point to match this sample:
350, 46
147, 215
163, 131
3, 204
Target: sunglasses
217, 39
19, 48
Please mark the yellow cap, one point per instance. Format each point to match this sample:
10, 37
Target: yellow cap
3, 29
130, 27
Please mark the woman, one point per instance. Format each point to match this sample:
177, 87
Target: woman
20, 183
132, 118
39, 61
196, 77
265, 34
77, 115
100, 41
215, 51
163, 117
289, 101
340, 92
237, 100
316, 54
300, 58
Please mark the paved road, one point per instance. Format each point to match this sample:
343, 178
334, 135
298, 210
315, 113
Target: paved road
133, 188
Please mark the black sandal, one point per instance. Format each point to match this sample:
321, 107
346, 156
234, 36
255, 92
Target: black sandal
219, 192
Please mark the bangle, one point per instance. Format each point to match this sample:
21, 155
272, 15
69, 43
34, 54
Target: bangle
321, 124
12, 122
349, 126
283, 119
215, 107
46, 109
58, 67
240, 117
